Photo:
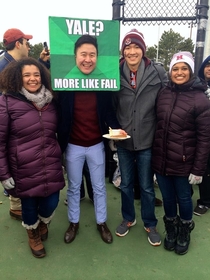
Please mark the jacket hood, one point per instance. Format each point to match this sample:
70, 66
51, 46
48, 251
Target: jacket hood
201, 70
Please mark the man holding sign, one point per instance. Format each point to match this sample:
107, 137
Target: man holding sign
85, 116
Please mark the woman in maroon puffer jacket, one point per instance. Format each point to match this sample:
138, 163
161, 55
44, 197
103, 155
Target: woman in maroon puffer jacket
30, 157
181, 147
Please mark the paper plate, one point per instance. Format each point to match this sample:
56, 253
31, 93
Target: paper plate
107, 136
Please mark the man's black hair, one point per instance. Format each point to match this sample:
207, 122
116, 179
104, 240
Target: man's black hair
85, 39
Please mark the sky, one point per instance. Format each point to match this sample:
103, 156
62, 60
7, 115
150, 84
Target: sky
32, 18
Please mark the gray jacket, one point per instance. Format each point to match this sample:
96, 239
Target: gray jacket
135, 108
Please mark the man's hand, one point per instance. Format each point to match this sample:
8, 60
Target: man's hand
45, 56
8, 184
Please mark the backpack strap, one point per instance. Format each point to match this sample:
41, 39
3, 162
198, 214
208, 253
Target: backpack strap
161, 73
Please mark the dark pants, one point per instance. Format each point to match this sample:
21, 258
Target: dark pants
176, 190
204, 188
32, 207
127, 165
204, 191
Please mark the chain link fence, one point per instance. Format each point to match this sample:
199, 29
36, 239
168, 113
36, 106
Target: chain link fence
166, 12
149, 12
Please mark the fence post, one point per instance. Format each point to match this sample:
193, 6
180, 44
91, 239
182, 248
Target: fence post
116, 9
202, 17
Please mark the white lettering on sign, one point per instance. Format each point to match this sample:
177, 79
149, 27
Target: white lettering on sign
89, 83
108, 83
85, 83
66, 83
77, 27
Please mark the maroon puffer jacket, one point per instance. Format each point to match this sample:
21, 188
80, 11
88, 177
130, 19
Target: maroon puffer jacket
182, 138
29, 151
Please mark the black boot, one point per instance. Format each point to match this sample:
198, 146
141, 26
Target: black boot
183, 238
171, 227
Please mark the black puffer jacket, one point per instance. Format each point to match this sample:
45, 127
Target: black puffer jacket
182, 138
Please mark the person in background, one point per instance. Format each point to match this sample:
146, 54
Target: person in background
141, 79
203, 203
181, 147
85, 116
30, 156
16, 45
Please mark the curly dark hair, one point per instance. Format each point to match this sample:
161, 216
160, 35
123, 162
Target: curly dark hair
11, 80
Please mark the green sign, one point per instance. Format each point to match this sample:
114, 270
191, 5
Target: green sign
65, 75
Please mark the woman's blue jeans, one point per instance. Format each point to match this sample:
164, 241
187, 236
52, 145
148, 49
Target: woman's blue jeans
145, 175
176, 190
34, 206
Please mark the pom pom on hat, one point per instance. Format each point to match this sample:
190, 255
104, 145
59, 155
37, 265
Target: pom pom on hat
133, 37
182, 57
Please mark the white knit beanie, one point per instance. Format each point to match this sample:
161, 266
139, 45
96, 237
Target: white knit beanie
182, 57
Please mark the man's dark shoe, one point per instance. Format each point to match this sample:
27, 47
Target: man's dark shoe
6, 193
71, 232
16, 214
105, 233
200, 210
158, 202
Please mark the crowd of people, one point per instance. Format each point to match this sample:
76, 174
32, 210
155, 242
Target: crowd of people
166, 114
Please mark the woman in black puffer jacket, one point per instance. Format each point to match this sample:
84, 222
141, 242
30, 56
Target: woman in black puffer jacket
181, 147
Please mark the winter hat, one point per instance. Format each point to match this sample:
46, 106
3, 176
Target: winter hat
14, 34
207, 63
86, 39
133, 37
182, 57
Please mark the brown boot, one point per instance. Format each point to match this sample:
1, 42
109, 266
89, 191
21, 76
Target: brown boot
35, 243
43, 231
16, 214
